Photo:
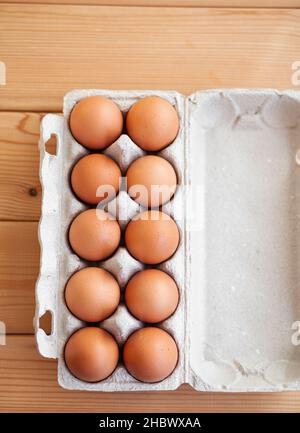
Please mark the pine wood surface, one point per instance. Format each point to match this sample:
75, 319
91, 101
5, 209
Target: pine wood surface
51, 48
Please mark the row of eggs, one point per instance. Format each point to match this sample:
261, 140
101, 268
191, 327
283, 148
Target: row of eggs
150, 180
152, 123
93, 294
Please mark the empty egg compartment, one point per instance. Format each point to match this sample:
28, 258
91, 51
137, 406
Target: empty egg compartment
244, 294
121, 264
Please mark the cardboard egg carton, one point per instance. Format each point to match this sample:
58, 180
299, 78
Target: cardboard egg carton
237, 207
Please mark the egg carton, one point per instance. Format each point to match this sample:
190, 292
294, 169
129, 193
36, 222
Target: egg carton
237, 207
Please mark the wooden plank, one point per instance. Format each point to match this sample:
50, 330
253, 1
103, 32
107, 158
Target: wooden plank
19, 262
29, 383
175, 3
20, 191
50, 49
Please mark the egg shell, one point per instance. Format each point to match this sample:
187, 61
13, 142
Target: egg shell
91, 354
150, 354
151, 181
151, 295
152, 123
152, 237
92, 294
96, 122
94, 234
95, 178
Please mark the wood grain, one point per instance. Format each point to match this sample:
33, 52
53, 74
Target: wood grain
50, 49
175, 3
19, 263
20, 190
29, 383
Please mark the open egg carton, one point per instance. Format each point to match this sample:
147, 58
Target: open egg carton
237, 267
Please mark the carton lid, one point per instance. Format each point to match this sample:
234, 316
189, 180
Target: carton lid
243, 295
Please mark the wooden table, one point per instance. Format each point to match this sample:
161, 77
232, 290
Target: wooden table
49, 49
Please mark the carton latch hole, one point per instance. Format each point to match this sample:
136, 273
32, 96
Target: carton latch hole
45, 322
51, 145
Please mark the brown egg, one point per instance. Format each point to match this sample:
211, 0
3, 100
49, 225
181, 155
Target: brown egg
91, 354
94, 235
95, 178
96, 122
150, 354
92, 294
151, 295
152, 123
151, 181
152, 237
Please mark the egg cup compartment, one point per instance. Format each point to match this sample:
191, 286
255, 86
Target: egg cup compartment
237, 263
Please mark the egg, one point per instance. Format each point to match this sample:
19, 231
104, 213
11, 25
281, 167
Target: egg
152, 123
92, 294
151, 295
150, 354
152, 237
95, 178
151, 181
96, 122
91, 354
94, 234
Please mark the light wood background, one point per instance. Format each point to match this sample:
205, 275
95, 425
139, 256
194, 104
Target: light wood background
52, 48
